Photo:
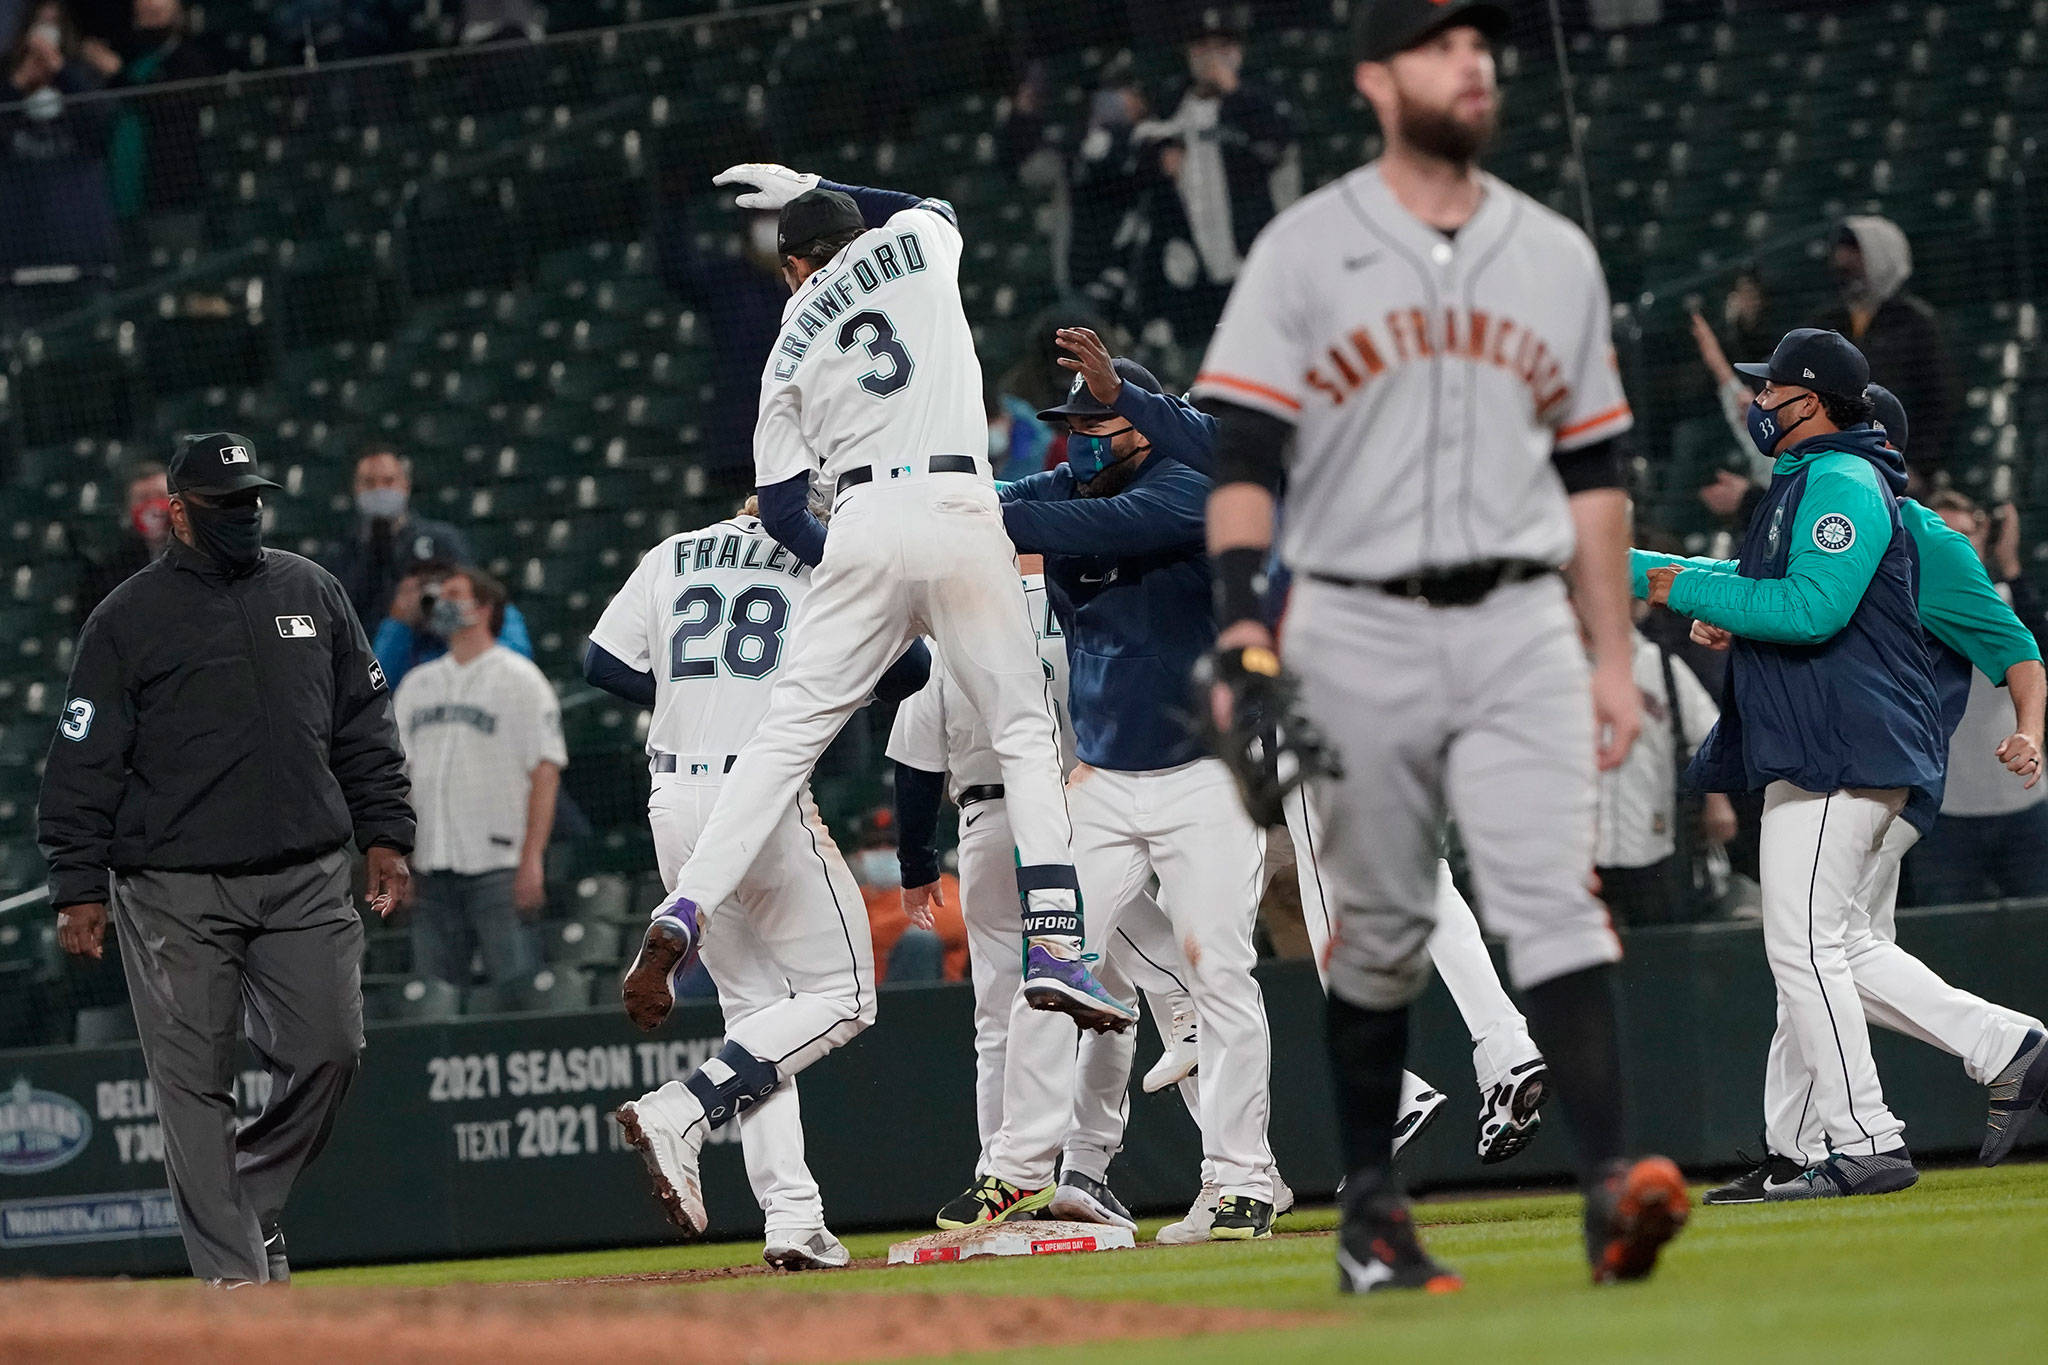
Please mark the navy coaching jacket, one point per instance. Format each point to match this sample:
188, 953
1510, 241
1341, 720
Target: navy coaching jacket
1858, 709
1129, 581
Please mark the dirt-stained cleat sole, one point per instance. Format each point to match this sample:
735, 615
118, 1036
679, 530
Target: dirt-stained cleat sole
666, 1192
818, 1251
648, 991
1649, 1207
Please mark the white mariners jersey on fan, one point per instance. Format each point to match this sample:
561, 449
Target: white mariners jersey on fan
708, 612
1430, 379
875, 364
938, 730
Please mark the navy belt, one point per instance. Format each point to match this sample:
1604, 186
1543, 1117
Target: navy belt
987, 791
1462, 585
702, 763
938, 464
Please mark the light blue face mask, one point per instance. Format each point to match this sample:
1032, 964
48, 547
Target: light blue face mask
1088, 456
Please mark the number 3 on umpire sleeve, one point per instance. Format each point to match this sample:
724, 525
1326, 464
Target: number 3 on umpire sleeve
882, 345
77, 722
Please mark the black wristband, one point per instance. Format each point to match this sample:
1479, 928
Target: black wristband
1240, 575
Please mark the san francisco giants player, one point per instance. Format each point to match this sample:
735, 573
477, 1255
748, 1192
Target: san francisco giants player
1436, 345
707, 614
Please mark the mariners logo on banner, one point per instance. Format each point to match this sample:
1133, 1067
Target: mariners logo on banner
40, 1130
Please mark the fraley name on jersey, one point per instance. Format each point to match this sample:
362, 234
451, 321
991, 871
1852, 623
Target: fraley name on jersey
734, 550
868, 271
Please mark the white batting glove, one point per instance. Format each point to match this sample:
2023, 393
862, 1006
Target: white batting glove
773, 186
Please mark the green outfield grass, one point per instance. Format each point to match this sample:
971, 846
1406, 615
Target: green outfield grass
1956, 1268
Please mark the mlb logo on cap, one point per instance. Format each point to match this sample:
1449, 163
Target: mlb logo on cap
296, 627
234, 455
218, 463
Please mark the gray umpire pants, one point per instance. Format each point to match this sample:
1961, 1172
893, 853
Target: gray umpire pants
1483, 713
279, 953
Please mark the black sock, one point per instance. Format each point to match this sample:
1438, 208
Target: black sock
1572, 1019
1368, 1048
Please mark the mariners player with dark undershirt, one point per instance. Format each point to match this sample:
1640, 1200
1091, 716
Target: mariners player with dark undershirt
1435, 348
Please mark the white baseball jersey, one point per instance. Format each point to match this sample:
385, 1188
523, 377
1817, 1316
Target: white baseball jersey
938, 730
875, 364
1639, 799
707, 612
473, 734
1430, 377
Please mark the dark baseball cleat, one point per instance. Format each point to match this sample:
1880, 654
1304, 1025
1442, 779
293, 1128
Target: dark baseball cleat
1630, 1215
2019, 1090
818, 1250
1511, 1113
668, 950
279, 1269
1413, 1122
989, 1200
1748, 1188
1082, 1199
1067, 986
1377, 1248
1842, 1175
1241, 1218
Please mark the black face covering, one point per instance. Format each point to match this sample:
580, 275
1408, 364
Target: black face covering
231, 536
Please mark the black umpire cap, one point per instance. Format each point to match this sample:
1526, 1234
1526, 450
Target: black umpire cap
1081, 403
1889, 415
1815, 358
1384, 28
216, 463
813, 216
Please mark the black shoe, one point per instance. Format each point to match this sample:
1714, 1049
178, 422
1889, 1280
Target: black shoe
1748, 1188
1241, 1218
2019, 1090
273, 1252
1377, 1247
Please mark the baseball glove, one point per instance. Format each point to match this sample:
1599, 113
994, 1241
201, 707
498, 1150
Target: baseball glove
1270, 746
769, 186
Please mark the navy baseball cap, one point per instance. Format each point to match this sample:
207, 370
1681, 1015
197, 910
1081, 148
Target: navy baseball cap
1890, 415
219, 462
815, 215
1815, 358
1081, 403
1385, 28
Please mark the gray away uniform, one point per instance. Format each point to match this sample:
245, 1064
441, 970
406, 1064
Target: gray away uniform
1433, 384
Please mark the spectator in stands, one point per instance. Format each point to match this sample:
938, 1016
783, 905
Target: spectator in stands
1897, 331
389, 542
739, 296
1228, 155
145, 530
153, 157
1643, 877
483, 745
905, 952
57, 228
1107, 185
411, 635
1036, 381
1991, 839
1729, 492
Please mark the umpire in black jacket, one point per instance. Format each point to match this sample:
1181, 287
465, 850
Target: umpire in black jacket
227, 731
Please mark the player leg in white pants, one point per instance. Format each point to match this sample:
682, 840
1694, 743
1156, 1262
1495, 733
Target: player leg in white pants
1505, 1061
1817, 852
1188, 825
794, 966
1900, 993
919, 554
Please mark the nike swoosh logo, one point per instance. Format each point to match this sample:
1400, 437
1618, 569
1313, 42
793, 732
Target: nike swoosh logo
1109, 577
1360, 262
968, 823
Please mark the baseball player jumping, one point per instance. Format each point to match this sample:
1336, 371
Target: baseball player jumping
699, 633
1435, 347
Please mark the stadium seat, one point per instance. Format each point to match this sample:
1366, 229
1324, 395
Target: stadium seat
415, 1000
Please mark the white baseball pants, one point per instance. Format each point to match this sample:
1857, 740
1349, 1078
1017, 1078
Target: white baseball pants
1817, 851
1187, 825
1500, 1035
1900, 993
794, 964
921, 555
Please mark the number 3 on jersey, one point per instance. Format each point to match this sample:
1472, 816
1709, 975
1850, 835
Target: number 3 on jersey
882, 345
752, 646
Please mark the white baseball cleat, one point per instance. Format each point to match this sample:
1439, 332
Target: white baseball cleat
807, 1249
1417, 1116
1510, 1111
1182, 1056
1195, 1227
669, 1150
1283, 1195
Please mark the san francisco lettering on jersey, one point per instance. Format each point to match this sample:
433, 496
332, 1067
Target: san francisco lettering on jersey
1414, 334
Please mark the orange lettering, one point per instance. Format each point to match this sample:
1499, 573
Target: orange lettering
1394, 321
1500, 342
1352, 379
1316, 380
1366, 352
1422, 342
1475, 335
